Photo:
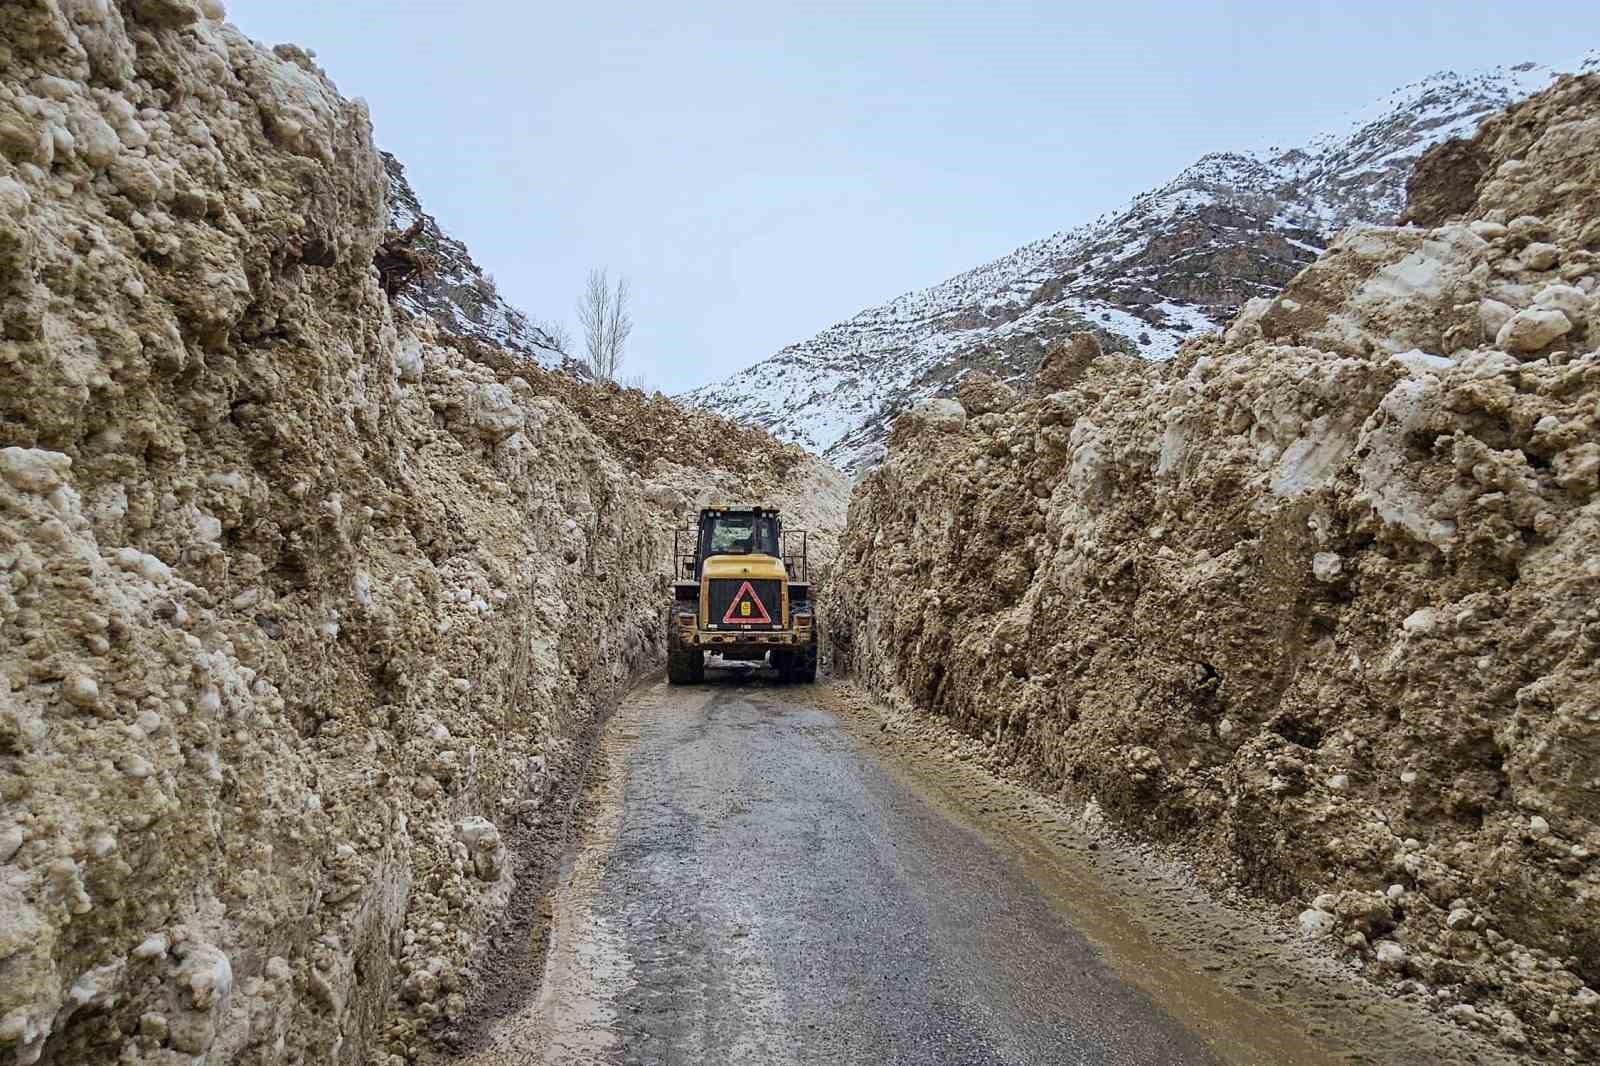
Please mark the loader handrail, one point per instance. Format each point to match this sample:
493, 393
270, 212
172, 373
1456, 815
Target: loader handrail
794, 558
684, 561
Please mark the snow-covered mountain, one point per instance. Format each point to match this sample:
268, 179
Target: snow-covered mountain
456, 293
1174, 262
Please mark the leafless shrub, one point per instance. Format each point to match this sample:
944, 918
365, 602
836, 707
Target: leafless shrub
603, 313
560, 336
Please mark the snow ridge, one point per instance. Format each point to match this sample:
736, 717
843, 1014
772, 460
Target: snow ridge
458, 295
1174, 262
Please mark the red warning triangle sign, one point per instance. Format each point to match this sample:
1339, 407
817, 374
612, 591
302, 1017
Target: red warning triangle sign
754, 602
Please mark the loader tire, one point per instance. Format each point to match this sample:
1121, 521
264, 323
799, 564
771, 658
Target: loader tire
782, 661
798, 666
685, 666
804, 669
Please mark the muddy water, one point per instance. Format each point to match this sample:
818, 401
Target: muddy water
766, 877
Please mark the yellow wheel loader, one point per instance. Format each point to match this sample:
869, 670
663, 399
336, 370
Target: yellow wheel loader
742, 591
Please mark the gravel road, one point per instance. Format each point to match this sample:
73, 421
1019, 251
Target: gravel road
756, 882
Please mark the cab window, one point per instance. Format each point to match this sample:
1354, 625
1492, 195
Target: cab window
742, 534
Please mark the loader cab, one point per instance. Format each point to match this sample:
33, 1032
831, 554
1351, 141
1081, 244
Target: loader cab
732, 531
737, 532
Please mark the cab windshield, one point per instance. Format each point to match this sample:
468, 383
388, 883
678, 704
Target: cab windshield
742, 534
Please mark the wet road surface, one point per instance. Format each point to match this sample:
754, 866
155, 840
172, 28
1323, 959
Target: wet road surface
753, 888
768, 874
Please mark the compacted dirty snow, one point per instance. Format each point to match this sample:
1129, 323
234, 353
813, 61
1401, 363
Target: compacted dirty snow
1317, 599
305, 606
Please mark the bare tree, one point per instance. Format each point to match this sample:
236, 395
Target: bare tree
560, 336
603, 313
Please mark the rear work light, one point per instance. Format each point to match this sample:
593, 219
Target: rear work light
686, 618
802, 620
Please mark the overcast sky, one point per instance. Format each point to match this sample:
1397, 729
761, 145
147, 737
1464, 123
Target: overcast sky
761, 170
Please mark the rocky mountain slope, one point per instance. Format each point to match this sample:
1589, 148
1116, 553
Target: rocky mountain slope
454, 291
1176, 262
305, 604
1315, 600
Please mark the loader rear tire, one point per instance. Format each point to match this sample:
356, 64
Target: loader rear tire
686, 666
782, 660
804, 669
797, 666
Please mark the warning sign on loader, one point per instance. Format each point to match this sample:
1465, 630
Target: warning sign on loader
747, 608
